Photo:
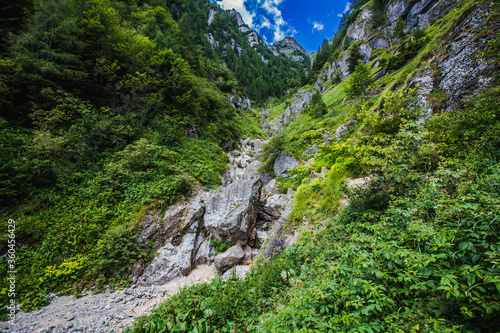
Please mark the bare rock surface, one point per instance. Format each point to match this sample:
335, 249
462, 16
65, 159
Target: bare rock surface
231, 257
341, 130
284, 163
238, 272
231, 214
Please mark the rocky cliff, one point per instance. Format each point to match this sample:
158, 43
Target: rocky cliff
289, 47
452, 66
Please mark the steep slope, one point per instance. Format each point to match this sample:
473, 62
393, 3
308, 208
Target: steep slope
396, 186
108, 109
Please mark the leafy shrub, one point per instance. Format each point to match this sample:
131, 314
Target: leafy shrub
116, 252
219, 246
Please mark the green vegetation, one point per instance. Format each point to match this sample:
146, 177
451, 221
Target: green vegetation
112, 111
416, 248
359, 81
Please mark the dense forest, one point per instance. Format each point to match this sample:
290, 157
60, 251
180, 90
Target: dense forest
98, 99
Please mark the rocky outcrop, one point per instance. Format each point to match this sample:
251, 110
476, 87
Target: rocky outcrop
424, 83
231, 257
231, 214
284, 163
418, 13
311, 151
341, 130
253, 38
239, 102
211, 16
181, 239
301, 99
462, 74
361, 28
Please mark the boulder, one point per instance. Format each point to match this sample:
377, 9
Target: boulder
311, 151
230, 215
238, 272
284, 163
181, 240
252, 168
341, 130
271, 187
232, 257
171, 262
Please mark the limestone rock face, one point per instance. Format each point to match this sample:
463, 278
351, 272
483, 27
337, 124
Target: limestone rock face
425, 83
230, 215
360, 30
253, 38
181, 240
418, 13
341, 130
232, 257
284, 163
211, 16
311, 151
461, 72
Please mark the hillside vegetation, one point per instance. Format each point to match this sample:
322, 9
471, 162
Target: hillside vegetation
111, 109
108, 109
414, 249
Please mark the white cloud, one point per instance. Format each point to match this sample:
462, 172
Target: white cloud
318, 26
272, 20
280, 27
239, 5
346, 9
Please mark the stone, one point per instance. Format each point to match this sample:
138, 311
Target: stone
271, 187
311, 151
231, 257
237, 272
191, 132
341, 130
358, 182
425, 84
284, 163
230, 215
252, 168
310, 162
180, 240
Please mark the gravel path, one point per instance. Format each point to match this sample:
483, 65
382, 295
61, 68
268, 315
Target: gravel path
106, 312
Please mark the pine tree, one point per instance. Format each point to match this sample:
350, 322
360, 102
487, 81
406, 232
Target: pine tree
359, 81
399, 29
354, 58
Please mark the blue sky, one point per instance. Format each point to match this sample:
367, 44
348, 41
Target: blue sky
309, 21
